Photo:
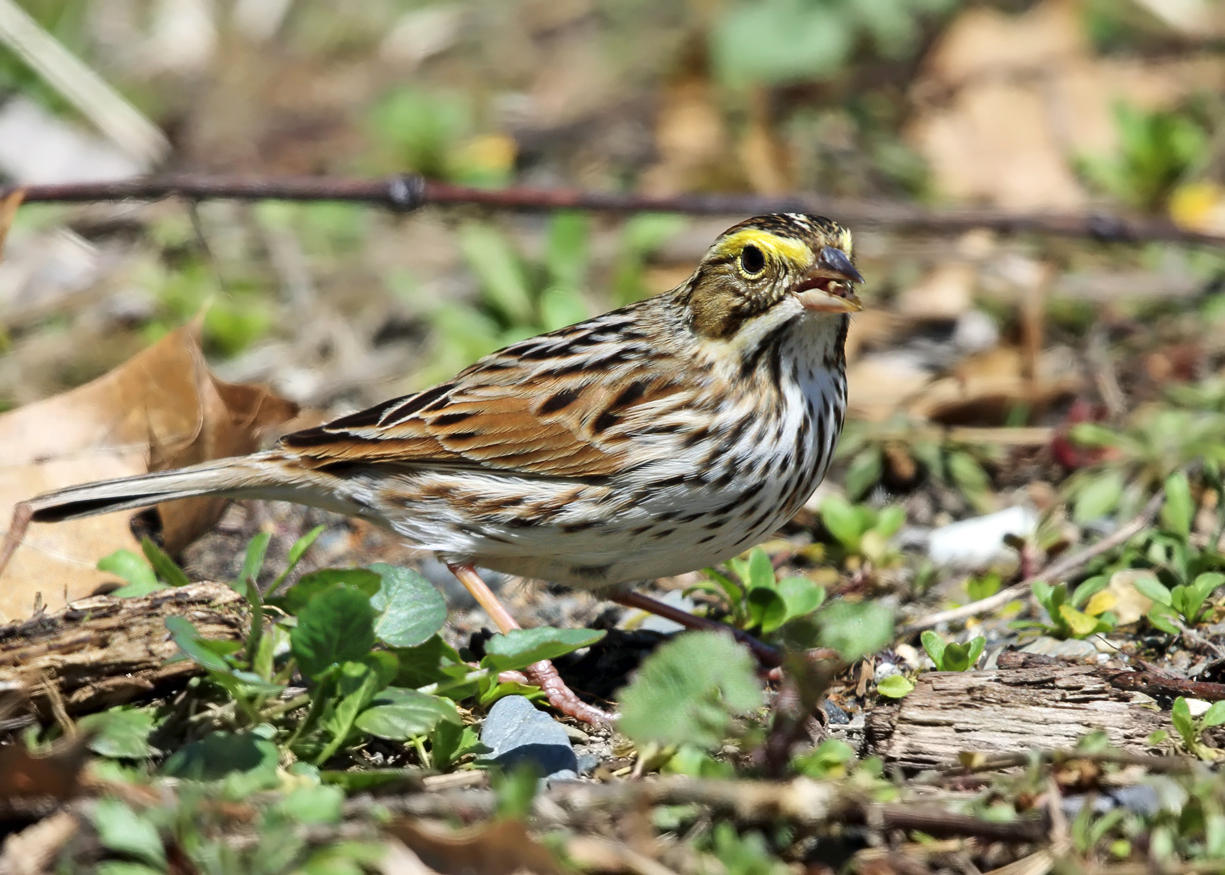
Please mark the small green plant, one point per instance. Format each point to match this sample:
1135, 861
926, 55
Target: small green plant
1083, 613
1156, 444
1185, 603
757, 598
832, 758
1156, 150
777, 41
950, 655
895, 686
1191, 729
862, 533
436, 134
690, 691
521, 295
364, 640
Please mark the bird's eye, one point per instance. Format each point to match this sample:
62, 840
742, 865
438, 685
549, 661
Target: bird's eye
752, 261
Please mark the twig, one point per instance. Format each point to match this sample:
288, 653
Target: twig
805, 802
1154, 682
1057, 570
1113, 756
410, 191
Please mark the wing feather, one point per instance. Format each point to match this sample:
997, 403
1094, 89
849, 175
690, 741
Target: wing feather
511, 413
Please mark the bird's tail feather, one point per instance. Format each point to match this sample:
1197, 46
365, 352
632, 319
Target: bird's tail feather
228, 477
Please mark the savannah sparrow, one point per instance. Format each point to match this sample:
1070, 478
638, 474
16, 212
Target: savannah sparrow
651, 440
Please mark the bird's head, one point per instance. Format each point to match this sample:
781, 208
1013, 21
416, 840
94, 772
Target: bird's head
772, 269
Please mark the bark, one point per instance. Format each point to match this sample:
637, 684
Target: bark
1027, 702
103, 651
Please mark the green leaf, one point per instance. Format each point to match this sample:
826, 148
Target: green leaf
829, 759
424, 663
1163, 618
166, 568
400, 714
410, 609
1088, 588
200, 651
252, 562
1178, 510
489, 255
122, 830
863, 473
1152, 588
983, 587
934, 645
956, 657
733, 590
1098, 497
895, 686
296, 552
688, 690
801, 596
969, 476
126, 565
311, 585
1184, 724
566, 249
855, 629
1044, 593
450, 741
766, 608
560, 307
1091, 434
977, 645
220, 754
336, 626
890, 520
842, 521
519, 648
316, 804
119, 733
1206, 584
356, 685
779, 41
761, 570
1080, 623
1214, 716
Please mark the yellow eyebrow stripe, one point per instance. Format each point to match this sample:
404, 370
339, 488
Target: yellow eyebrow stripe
784, 248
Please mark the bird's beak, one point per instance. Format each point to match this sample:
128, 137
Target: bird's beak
826, 288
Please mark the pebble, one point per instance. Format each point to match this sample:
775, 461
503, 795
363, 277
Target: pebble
517, 732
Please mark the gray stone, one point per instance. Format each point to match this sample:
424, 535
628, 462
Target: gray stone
517, 732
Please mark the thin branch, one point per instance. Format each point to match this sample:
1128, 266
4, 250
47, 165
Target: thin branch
1057, 570
408, 192
807, 803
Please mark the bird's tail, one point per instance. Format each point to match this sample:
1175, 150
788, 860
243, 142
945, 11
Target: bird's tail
255, 475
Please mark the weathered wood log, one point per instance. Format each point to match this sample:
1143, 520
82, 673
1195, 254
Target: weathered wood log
1024, 704
104, 651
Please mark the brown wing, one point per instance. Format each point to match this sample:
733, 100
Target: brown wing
559, 405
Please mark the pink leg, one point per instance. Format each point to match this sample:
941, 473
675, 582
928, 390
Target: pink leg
542, 674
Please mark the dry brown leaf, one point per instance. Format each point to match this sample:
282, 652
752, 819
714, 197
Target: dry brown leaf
1006, 102
160, 409
690, 138
986, 388
32, 784
8, 212
945, 292
983, 389
502, 847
